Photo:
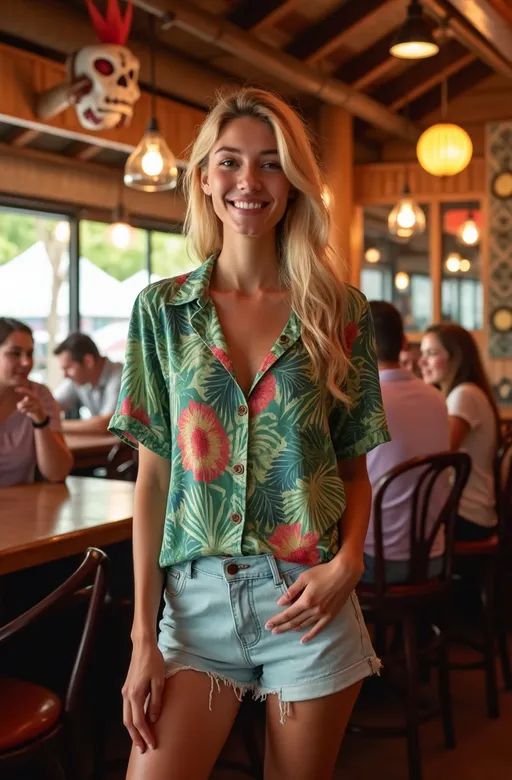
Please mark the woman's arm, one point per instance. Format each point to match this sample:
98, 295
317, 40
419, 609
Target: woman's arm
54, 460
459, 429
151, 491
146, 674
355, 519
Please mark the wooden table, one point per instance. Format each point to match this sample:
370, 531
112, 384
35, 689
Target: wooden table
43, 522
91, 450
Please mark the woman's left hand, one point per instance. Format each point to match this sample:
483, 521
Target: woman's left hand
320, 594
30, 404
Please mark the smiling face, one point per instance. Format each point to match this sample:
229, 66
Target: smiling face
434, 361
244, 179
16, 359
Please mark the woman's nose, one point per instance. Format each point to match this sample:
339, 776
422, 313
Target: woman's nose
249, 180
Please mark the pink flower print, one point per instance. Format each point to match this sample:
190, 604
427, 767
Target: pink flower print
224, 358
350, 336
181, 279
136, 413
290, 544
203, 442
269, 361
264, 393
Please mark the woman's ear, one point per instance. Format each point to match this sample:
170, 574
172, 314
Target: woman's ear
292, 194
204, 183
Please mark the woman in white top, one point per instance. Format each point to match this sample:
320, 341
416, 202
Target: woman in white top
450, 359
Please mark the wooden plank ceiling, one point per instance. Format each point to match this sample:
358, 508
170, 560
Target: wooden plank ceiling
347, 40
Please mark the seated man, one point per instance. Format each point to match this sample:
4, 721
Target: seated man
418, 423
91, 381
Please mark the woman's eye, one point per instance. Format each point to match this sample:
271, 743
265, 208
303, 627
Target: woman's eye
272, 165
227, 163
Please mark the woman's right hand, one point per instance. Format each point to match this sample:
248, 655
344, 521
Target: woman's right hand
146, 677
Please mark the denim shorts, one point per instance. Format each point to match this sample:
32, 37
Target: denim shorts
214, 621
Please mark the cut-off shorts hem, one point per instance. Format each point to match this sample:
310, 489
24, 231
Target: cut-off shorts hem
287, 694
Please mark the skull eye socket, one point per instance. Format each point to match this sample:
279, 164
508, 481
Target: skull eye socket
104, 66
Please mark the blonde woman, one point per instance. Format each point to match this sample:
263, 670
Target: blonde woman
252, 390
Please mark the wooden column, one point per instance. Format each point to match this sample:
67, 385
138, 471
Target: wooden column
336, 146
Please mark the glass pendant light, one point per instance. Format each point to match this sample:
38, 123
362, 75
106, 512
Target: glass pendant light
413, 40
468, 233
406, 219
372, 255
151, 167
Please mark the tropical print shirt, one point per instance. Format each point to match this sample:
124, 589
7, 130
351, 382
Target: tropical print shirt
249, 475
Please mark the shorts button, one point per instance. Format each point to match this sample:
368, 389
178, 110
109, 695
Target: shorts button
283, 339
238, 468
236, 518
242, 409
232, 569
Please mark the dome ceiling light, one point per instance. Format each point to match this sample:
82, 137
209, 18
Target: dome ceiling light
414, 40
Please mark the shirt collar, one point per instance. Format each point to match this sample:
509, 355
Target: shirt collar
194, 286
395, 375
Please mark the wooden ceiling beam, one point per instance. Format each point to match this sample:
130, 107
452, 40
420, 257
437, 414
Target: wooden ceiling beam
424, 86
367, 68
494, 48
422, 75
331, 32
249, 15
23, 136
461, 82
302, 77
489, 23
83, 151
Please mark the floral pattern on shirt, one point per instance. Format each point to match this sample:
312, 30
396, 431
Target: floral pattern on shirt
248, 475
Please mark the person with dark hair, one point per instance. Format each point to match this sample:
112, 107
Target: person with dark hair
418, 424
30, 430
450, 359
409, 356
92, 381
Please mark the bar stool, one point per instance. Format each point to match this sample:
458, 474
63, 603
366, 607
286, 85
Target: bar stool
385, 604
491, 559
38, 726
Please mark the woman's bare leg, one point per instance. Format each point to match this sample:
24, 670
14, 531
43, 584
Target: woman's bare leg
306, 745
189, 736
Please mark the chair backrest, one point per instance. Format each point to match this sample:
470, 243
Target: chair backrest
445, 475
503, 483
93, 568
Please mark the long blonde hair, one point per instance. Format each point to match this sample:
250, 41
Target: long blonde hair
308, 267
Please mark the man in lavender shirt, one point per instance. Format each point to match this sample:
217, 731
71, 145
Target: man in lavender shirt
418, 422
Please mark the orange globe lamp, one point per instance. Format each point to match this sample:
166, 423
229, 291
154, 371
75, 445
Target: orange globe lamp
444, 149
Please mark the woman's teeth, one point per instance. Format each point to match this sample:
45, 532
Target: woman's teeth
239, 204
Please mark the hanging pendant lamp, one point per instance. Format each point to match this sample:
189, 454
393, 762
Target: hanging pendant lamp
444, 149
120, 232
414, 40
406, 219
468, 233
151, 167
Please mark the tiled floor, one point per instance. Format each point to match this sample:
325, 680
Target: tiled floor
484, 747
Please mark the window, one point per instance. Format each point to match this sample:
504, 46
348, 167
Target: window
34, 261
169, 255
461, 292
396, 271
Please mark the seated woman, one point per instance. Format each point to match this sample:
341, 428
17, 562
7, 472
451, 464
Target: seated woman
30, 431
450, 359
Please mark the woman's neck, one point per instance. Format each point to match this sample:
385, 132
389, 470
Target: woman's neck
247, 265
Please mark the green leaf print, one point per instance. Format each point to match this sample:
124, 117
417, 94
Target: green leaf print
265, 444
316, 501
204, 519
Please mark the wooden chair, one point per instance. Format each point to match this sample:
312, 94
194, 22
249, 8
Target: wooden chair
122, 463
491, 560
37, 726
401, 605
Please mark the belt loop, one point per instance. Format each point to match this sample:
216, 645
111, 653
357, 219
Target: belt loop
188, 569
276, 574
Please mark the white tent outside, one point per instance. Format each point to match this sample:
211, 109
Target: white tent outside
26, 288
134, 284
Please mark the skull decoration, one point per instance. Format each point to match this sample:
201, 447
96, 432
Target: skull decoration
109, 74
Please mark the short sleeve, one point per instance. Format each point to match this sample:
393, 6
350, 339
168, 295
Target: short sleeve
464, 403
66, 395
358, 429
142, 412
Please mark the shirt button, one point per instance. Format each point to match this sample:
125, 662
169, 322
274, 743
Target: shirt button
238, 468
242, 409
232, 569
283, 339
236, 518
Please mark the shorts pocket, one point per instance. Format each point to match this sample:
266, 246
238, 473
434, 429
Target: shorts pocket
288, 578
175, 582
